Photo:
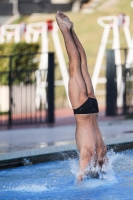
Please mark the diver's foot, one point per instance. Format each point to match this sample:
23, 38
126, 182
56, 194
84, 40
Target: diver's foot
63, 21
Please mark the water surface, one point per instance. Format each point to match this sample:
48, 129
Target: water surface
57, 181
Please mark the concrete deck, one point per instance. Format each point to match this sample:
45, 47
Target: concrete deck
20, 143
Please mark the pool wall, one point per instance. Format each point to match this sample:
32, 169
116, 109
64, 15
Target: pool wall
29, 157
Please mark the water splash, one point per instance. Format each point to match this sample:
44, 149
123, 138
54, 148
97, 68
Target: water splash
28, 188
108, 177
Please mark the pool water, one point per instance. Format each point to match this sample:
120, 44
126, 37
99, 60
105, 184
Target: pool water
57, 181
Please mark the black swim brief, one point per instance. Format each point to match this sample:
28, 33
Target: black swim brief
88, 107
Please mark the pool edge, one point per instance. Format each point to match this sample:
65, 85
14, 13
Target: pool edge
59, 154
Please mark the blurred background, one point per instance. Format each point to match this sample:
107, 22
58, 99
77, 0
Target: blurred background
30, 44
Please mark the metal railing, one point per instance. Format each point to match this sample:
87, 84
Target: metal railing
128, 93
26, 95
123, 87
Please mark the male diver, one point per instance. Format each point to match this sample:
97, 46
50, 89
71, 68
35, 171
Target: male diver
88, 137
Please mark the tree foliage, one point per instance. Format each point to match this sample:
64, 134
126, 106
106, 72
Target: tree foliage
20, 58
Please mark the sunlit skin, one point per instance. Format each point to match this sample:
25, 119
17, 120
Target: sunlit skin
88, 137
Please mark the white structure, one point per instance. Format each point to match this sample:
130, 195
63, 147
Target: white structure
108, 23
129, 40
34, 31
40, 95
9, 32
32, 34
61, 59
131, 4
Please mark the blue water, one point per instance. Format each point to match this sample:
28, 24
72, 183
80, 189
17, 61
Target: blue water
57, 180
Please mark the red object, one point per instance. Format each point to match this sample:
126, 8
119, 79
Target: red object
50, 25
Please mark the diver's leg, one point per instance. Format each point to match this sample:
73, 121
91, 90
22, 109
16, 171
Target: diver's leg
77, 88
83, 59
84, 68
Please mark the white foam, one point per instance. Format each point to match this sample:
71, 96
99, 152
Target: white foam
28, 188
105, 179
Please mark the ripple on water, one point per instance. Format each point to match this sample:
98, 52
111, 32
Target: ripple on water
28, 188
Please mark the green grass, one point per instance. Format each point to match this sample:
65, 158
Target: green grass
89, 33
